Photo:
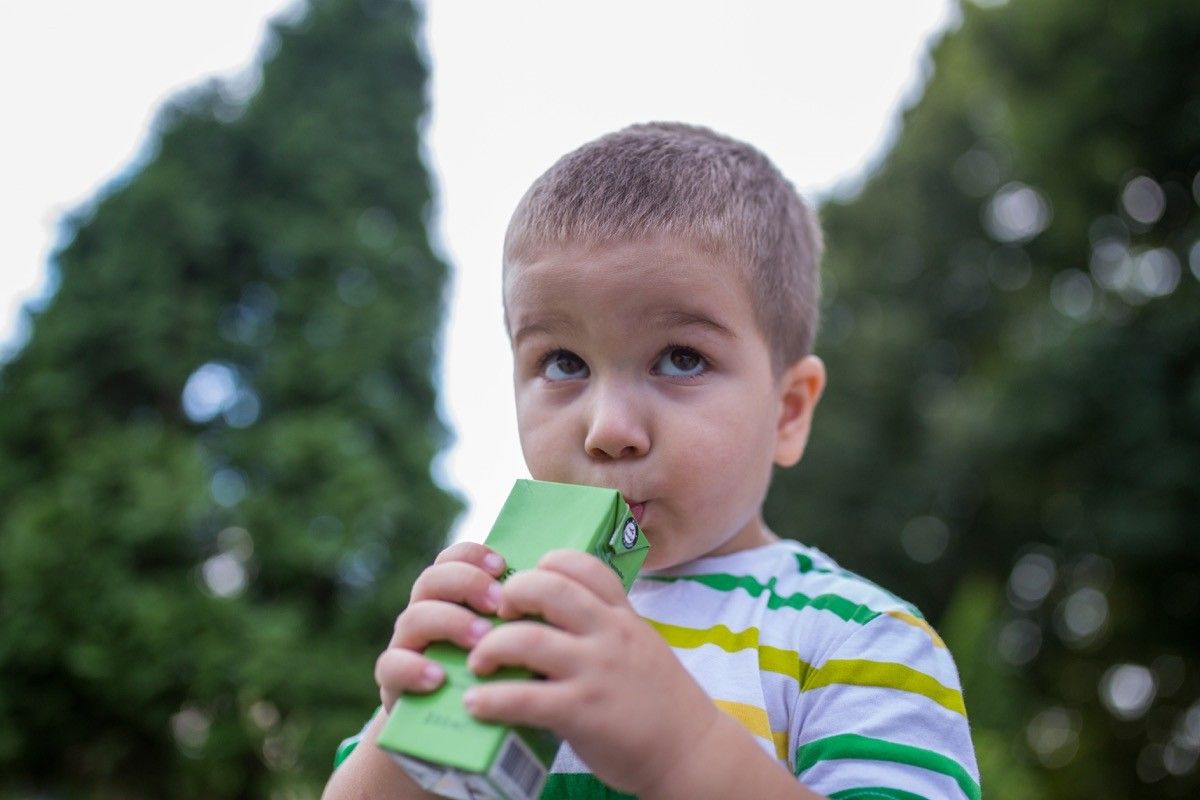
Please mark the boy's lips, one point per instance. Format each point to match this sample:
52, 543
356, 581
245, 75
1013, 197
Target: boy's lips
637, 508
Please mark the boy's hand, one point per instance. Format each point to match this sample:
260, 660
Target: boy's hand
463, 577
613, 687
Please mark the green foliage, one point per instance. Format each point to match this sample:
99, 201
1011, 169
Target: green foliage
194, 582
1013, 339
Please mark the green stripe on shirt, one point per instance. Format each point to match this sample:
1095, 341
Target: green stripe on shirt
875, 793
579, 786
864, 748
344, 749
842, 607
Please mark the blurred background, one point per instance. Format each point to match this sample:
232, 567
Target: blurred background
260, 375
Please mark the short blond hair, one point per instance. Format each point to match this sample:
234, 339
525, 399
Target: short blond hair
686, 181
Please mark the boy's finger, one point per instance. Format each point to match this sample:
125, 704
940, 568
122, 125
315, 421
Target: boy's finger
533, 645
438, 621
541, 704
398, 671
588, 570
480, 555
458, 582
553, 596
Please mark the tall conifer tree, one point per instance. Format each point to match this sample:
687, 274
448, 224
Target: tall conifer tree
215, 448
1010, 433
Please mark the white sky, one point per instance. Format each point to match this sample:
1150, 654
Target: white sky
818, 86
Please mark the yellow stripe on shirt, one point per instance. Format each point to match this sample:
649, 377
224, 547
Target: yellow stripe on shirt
848, 672
754, 719
885, 675
917, 622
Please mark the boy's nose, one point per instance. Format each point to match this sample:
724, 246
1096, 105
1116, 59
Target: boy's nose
615, 429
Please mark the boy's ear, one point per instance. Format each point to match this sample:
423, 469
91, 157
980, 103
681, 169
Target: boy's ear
800, 388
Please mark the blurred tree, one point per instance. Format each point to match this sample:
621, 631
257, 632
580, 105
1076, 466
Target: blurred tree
215, 449
1013, 338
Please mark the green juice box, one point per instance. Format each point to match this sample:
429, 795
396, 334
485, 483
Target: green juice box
442, 747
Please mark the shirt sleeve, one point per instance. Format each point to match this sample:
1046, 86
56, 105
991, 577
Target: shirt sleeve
883, 717
350, 742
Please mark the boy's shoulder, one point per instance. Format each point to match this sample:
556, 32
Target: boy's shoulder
822, 573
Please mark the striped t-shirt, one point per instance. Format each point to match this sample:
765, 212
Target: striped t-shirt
843, 683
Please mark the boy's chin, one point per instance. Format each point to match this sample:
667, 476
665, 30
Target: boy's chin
664, 557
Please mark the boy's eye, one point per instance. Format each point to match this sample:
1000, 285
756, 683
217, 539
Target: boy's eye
680, 362
563, 365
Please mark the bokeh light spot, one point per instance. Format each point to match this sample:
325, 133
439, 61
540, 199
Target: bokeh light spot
1082, 616
1019, 641
237, 542
218, 388
1016, 213
1180, 759
1127, 690
1191, 722
1143, 200
1031, 580
208, 391
243, 411
1183, 752
1073, 294
190, 728
228, 487
1111, 265
264, 715
1053, 736
224, 575
1157, 272
358, 569
924, 539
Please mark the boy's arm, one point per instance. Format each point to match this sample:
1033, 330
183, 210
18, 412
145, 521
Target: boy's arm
368, 772
726, 762
443, 606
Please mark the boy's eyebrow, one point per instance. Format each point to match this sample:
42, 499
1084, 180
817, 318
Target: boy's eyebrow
677, 318
549, 326
674, 318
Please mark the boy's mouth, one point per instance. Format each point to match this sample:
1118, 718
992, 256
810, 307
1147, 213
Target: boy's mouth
637, 509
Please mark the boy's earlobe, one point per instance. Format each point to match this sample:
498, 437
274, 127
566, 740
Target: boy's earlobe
800, 389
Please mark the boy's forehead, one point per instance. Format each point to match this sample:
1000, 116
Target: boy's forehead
551, 268
667, 282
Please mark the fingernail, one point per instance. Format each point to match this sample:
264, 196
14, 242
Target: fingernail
493, 595
493, 563
431, 676
478, 628
470, 699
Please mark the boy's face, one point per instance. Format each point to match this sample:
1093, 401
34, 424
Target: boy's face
640, 366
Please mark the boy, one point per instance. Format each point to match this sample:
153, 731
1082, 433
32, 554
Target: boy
661, 293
